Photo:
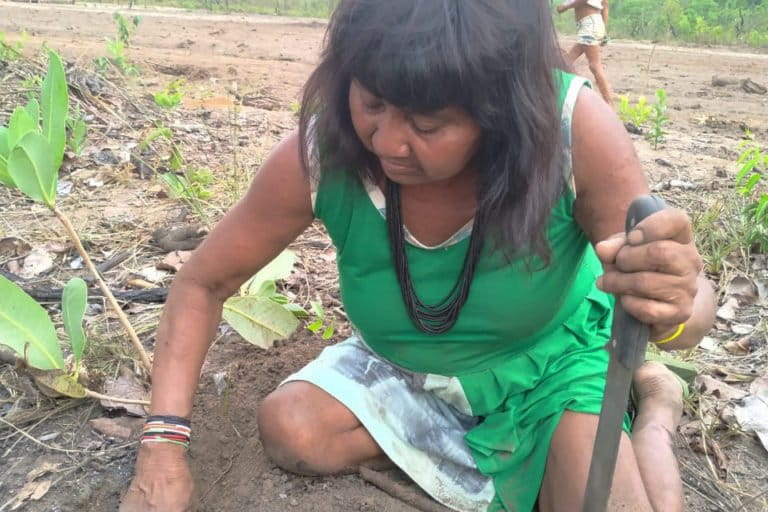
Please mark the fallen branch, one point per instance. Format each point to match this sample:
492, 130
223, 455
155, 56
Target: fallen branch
401, 492
145, 362
99, 396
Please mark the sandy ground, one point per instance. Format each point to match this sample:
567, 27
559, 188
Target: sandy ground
273, 56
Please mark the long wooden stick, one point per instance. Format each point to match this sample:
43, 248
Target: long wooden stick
145, 362
403, 493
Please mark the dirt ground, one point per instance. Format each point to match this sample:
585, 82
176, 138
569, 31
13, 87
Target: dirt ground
267, 59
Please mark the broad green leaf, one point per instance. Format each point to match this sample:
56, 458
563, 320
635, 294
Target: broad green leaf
55, 107
26, 329
745, 169
73, 301
31, 168
268, 289
278, 268
316, 325
317, 308
58, 382
33, 109
685, 371
328, 332
19, 125
751, 183
298, 311
156, 133
5, 178
176, 160
259, 320
761, 208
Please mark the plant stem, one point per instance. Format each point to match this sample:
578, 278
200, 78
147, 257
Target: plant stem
115, 399
145, 362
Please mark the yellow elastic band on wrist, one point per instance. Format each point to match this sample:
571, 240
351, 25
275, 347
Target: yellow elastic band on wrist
673, 336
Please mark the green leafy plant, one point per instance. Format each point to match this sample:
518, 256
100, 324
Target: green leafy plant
125, 28
12, 51
31, 152
171, 96
658, 119
638, 114
753, 162
321, 325
30, 333
260, 314
116, 48
77, 130
186, 183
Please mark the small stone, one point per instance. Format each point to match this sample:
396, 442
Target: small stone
294, 502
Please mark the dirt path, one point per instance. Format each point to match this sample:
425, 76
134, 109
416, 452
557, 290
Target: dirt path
272, 57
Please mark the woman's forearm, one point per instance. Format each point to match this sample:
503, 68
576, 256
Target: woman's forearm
188, 324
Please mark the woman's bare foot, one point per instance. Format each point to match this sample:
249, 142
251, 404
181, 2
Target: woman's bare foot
659, 408
659, 396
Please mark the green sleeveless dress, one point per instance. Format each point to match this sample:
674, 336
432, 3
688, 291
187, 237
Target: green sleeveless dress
527, 345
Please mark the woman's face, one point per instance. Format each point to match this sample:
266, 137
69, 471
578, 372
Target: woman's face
414, 148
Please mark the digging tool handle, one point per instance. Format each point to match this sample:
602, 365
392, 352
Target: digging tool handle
629, 340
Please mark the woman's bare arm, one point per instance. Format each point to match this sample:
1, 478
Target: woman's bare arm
275, 210
658, 275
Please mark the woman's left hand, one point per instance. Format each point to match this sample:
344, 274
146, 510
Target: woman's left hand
654, 270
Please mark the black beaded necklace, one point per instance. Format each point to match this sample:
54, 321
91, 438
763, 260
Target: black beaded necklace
440, 317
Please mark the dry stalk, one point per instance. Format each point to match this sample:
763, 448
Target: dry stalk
145, 362
108, 398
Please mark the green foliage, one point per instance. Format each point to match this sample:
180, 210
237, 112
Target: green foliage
171, 96
190, 186
12, 51
320, 324
29, 332
750, 182
737, 221
124, 28
26, 328
31, 153
78, 131
692, 21
116, 48
658, 119
259, 314
74, 298
637, 114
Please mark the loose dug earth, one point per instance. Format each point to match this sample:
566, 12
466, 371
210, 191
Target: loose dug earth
264, 61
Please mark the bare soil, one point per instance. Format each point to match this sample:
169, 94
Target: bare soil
266, 60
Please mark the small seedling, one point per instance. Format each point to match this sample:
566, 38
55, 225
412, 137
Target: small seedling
658, 119
319, 325
77, 131
638, 114
260, 314
12, 51
31, 153
172, 95
753, 162
116, 48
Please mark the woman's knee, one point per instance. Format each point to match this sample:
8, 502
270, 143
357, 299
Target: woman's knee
286, 433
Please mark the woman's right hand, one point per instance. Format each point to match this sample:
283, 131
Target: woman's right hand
163, 481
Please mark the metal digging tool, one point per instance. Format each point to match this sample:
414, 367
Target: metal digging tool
629, 340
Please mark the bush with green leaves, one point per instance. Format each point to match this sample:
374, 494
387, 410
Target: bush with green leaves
77, 131
12, 51
171, 96
116, 48
658, 119
750, 181
31, 152
31, 335
637, 114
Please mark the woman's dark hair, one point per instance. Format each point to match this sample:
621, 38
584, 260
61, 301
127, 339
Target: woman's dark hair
496, 59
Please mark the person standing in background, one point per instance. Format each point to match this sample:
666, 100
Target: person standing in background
591, 22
